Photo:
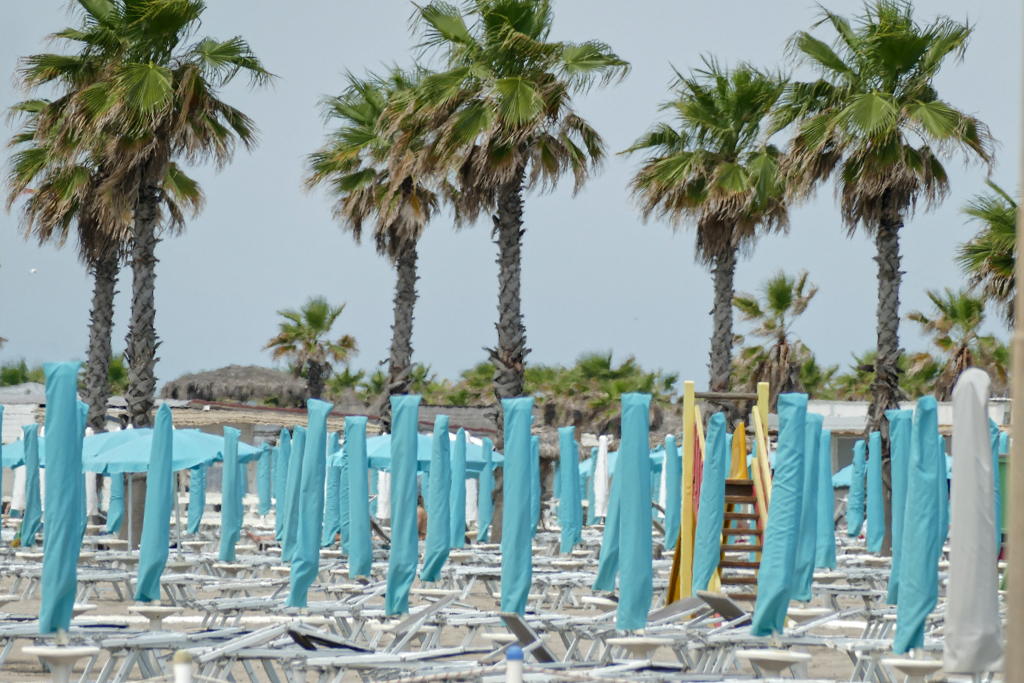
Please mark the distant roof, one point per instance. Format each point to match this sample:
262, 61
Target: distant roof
240, 383
29, 392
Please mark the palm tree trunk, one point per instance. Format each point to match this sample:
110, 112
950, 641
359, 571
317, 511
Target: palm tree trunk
400, 362
885, 390
315, 379
97, 384
142, 339
720, 366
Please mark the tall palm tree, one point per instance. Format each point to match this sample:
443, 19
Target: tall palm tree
990, 257
142, 88
354, 163
712, 170
874, 122
780, 361
502, 122
303, 338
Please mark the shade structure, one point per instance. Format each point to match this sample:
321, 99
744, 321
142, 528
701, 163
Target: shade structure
775, 578
900, 430
485, 505
33, 502
855, 499
153, 548
875, 502
457, 495
64, 502
378, 453
993, 432
602, 489
635, 541
263, 483
516, 534
292, 494
231, 495
570, 507
438, 504
332, 513
284, 449
708, 538
973, 640
825, 545
306, 561
673, 491
129, 450
404, 536
807, 541
343, 505
360, 549
608, 562
535, 492
196, 497
944, 497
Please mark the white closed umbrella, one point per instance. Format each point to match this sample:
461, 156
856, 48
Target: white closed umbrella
601, 488
384, 495
472, 494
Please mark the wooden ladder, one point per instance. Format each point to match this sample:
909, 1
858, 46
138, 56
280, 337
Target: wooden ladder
741, 520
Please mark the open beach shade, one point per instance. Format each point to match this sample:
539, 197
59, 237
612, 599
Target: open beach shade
438, 504
191, 447
900, 429
774, 580
404, 535
673, 491
635, 514
332, 514
875, 503
805, 546
156, 530
306, 561
825, 547
457, 497
231, 493
292, 494
64, 498
516, 534
284, 448
485, 505
855, 500
707, 545
570, 507
360, 550
33, 503
973, 629
196, 496
263, 484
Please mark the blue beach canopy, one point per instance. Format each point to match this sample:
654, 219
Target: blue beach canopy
231, 495
807, 542
153, 549
404, 534
33, 502
284, 449
875, 504
332, 512
485, 505
360, 549
378, 453
855, 500
263, 484
825, 546
570, 507
196, 497
708, 537
535, 493
309, 530
438, 504
635, 558
293, 494
516, 534
900, 434
673, 491
457, 498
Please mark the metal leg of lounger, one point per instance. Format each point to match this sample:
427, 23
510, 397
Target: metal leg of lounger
6, 651
88, 668
247, 665
268, 668
108, 668
126, 668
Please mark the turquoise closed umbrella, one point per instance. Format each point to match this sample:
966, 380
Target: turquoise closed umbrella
993, 430
83, 512
156, 535
570, 507
404, 535
875, 503
825, 547
360, 548
944, 497
775, 577
708, 537
263, 484
457, 498
332, 511
59, 581
516, 533
673, 491
805, 547
231, 494
900, 430
33, 503
309, 530
374, 491
438, 504
635, 543
343, 506
855, 500
922, 542
485, 505
535, 494
608, 563
284, 449
196, 496
292, 495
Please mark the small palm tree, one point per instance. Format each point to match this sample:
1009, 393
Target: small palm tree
989, 259
303, 339
714, 172
780, 360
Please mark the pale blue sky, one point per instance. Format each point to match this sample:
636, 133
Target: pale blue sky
594, 276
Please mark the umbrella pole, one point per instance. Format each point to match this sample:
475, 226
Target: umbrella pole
131, 508
177, 513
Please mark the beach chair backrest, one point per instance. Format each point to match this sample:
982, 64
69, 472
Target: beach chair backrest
528, 639
725, 606
674, 609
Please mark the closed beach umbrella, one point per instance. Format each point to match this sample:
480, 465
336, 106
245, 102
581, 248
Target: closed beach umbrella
284, 448
825, 547
360, 548
608, 563
673, 491
900, 430
570, 507
602, 491
855, 499
993, 432
485, 506
33, 502
231, 493
332, 513
516, 534
404, 535
591, 504
196, 496
306, 560
292, 494
438, 504
708, 538
64, 498
875, 503
973, 631
153, 548
775, 578
343, 506
263, 484
635, 556
805, 548
457, 496
534, 484
944, 497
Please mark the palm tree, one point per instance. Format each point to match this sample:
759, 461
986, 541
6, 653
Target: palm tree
875, 122
354, 163
502, 122
990, 257
780, 360
140, 88
714, 172
303, 338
